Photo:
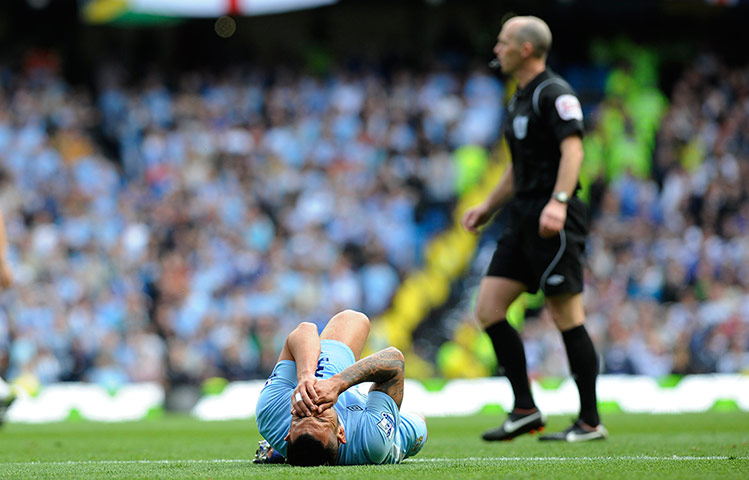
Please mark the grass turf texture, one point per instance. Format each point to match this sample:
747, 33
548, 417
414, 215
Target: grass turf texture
711, 445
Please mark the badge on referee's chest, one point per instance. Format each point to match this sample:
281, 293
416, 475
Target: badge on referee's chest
520, 126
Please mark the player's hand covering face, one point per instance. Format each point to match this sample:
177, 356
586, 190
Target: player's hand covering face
327, 394
304, 397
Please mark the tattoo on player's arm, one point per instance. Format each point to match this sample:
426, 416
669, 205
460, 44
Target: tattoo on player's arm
392, 387
385, 368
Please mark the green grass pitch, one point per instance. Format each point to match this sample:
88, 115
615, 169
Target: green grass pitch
700, 446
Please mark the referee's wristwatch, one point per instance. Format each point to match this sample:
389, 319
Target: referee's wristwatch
561, 197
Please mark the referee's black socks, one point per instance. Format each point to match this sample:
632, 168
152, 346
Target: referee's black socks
584, 367
508, 346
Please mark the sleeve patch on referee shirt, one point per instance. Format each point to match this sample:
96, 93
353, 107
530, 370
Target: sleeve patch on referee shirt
387, 425
568, 107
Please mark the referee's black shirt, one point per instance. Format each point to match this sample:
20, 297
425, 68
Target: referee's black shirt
538, 118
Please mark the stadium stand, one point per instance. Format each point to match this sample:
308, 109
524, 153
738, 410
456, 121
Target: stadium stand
174, 228
161, 270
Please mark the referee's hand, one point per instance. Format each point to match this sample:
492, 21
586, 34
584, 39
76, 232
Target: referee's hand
552, 219
6, 276
475, 217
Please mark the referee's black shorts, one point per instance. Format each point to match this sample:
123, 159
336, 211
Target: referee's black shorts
553, 264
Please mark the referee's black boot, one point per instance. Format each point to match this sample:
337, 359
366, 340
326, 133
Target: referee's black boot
516, 424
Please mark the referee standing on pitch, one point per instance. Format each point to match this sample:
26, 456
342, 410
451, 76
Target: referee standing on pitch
544, 240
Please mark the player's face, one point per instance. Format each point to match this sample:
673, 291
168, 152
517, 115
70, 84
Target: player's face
323, 426
507, 48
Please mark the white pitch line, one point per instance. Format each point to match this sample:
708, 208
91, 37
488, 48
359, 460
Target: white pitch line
575, 459
646, 458
130, 462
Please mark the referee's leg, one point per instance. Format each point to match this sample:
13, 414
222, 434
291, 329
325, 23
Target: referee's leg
569, 316
495, 296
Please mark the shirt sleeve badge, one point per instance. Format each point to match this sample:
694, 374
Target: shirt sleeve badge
387, 425
568, 107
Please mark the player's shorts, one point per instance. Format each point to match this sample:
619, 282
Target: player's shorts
334, 357
553, 264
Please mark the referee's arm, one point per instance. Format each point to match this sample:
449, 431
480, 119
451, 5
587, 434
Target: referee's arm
502, 192
555, 213
475, 217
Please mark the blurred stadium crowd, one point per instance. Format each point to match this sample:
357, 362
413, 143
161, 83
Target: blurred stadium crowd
176, 231
245, 203
670, 253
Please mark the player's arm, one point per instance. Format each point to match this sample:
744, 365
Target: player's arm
302, 346
385, 368
6, 277
474, 217
554, 214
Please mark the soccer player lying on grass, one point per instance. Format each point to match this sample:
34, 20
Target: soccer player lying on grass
309, 414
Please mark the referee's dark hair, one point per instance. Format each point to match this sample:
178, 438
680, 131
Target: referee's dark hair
308, 451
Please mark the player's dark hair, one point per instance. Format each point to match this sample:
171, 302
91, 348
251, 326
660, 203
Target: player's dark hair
308, 451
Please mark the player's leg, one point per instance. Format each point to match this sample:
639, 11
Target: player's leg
350, 327
568, 315
496, 294
341, 342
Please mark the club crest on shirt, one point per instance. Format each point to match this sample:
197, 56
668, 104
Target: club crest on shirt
568, 107
387, 425
520, 126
